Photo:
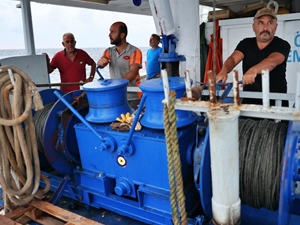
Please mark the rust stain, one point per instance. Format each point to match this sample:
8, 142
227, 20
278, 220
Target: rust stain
211, 87
236, 88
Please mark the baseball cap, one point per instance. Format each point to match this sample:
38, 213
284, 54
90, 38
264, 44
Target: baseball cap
265, 12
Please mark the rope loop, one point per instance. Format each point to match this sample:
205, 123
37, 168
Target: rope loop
19, 162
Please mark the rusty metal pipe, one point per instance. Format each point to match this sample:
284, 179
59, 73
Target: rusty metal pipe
211, 87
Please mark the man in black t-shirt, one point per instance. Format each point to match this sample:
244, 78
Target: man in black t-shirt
263, 52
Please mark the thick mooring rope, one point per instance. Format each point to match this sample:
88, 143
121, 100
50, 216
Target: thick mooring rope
261, 152
177, 197
19, 163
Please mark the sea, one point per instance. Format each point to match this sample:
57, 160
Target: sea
95, 54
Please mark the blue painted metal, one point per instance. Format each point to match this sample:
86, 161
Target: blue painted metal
169, 42
135, 183
107, 143
59, 134
202, 171
107, 100
48, 96
143, 176
56, 196
114, 214
153, 117
137, 2
200, 220
263, 216
126, 149
289, 200
97, 70
223, 97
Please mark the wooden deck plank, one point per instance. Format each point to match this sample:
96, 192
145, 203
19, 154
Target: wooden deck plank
17, 212
23, 219
62, 214
7, 221
44, 220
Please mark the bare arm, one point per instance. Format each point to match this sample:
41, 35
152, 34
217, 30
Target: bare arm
134, 69
269, 63
235, 58
92, 73
103, 61
49, 68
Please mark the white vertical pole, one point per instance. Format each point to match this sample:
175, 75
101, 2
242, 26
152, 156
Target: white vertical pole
224, 154
28, 28
165, 80
265, 88
187, 80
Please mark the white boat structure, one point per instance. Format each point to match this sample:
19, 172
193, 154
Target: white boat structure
198, 164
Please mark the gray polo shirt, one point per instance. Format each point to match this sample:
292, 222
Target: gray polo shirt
119, 64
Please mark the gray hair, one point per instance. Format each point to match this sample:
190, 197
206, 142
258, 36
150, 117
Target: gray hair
68, 34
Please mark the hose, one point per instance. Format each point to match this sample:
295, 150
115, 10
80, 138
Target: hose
19, 168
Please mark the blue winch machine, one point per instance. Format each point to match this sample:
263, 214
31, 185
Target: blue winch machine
127, 171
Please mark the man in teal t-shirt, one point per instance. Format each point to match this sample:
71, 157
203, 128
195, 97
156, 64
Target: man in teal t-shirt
153, 65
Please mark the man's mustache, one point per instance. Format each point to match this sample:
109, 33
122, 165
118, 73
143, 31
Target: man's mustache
265, 31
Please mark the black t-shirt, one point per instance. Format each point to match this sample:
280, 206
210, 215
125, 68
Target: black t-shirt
253, 55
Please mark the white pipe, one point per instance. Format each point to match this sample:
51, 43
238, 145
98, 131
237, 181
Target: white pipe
297, 93
235, 87
187, 80
224, 154
187, 31
162, 15
265, 88
27, 27
165, 80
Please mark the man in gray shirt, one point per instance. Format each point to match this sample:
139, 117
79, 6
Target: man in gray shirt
124, 60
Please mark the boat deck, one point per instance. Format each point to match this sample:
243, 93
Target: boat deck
65, 213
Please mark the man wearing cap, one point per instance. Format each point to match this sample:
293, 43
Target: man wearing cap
263, 52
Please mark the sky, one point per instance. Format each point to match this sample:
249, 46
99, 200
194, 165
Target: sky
50, 22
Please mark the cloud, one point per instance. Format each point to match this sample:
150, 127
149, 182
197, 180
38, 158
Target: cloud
50, 22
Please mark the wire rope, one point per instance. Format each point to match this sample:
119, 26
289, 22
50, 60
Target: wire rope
39, 120
261, 151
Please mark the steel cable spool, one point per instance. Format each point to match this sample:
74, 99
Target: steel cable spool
39, 121
261, 152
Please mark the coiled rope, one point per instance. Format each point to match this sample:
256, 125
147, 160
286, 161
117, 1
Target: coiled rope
19, 168
177, 197
261, 152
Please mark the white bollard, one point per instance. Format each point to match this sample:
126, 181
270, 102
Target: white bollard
224, 153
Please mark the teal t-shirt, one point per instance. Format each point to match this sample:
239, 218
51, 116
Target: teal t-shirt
153, 65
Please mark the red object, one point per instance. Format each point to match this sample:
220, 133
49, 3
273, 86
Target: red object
126, 57
210, 57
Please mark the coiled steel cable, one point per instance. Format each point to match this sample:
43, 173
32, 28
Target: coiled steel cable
39, 120
261, 152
